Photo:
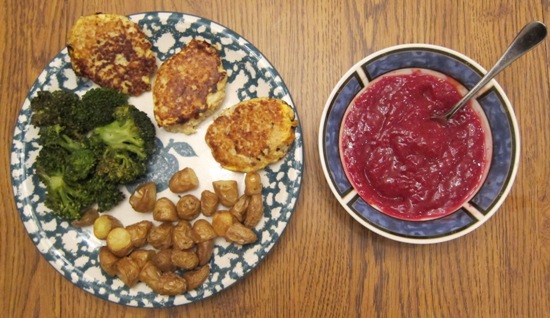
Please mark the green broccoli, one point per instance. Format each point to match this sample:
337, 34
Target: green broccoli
104, 192
54, 108
65, 198
97, 107
126, 144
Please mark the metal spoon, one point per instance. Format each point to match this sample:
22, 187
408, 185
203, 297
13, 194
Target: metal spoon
531, 35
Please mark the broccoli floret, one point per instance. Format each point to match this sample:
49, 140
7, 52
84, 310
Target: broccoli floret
106, 193
126, 144
97, 107
53, 108
79, 159
65, 198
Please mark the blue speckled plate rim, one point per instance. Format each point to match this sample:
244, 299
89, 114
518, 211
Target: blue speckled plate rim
51, 257
474, 66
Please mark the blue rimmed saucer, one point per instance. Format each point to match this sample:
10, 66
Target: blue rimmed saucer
495, 105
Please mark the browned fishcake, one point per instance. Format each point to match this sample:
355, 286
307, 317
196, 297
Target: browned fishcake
112, 51
252, 134
189, 87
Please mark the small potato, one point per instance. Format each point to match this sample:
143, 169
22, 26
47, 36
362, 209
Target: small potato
240, 234
183, 236
204, 251
160, 237
209, 202
107, 260
227, 191
163, 260
170, 284
142, 256
88, 218
128, 271
203, 230
221, 221
183, 180
139, 232
188, 207
165, 210
119, 242
144, 197
239, 209
185, 259
252, 183
149, 274
104, 224
197, 277
255, 211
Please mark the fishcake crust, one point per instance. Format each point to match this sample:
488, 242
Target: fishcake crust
112, 51
189, 87
252, 134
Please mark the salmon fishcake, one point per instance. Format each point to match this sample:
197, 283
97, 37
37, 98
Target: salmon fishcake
189, 87
113, 52
252, 134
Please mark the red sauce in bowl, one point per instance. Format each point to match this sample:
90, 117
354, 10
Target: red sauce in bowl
406, 164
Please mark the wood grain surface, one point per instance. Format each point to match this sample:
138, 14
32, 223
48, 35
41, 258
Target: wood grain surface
326, 264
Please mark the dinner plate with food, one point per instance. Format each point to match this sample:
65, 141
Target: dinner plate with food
157, 159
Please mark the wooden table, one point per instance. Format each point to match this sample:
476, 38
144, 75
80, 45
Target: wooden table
326, 264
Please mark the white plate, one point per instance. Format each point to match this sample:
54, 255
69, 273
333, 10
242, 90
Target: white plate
73, 251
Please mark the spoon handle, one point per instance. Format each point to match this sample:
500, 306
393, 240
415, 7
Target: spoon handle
531, 35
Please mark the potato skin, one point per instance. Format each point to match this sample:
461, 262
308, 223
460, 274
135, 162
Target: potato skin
183, 236
227, 191
221, 221
196, 278
254, 211
204, 251
144, 197
107, 260
183, 180
163, 260
150, 274
188, 207
203, 230
170, 284
104, 224
142, 256
128, 271
88, 218
240, 234
184, 259
139, 232
119, 242
240, 207
165, 210
252, 183
160, 237
209, 202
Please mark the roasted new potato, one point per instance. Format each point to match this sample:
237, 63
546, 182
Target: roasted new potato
163, 260
104, 224
254, 211
150, 274
252, 183
107, 260
119, 242
183, 237
142, 256
128, 271
188, 207
239, 209
203, 230
209, 202
144, 197
240, 234
184, 259
139, 232
183, 180
165, 210
221, 221
204, 251
227, 192
170, 284
160, 237
196, 278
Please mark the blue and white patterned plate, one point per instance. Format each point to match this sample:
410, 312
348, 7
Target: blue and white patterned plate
494, 103
73, 251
